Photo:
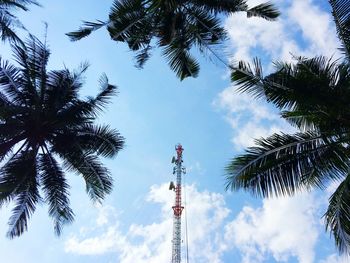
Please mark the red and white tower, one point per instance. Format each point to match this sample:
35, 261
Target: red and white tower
177, 208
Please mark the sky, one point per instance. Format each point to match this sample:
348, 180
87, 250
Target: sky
154, 111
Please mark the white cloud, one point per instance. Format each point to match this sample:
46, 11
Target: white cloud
152, 243
307, 35
334, 258
249, 118
282, 228
196, 168
108, 241
250, 131
106, 214
317, 27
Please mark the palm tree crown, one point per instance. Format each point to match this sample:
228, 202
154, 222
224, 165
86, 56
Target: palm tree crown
174, 25
42, 119
314, 96
8, 21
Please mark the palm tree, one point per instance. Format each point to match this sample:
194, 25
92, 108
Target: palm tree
314, 96
8, 21
173, 25
45, 129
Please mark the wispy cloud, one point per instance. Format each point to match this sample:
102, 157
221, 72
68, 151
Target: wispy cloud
307, 35
249, 118
282, 228
334, 258
152, 243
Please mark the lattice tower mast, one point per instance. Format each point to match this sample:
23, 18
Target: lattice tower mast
177, 208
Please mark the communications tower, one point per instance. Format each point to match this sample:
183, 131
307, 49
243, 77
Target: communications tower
177, 208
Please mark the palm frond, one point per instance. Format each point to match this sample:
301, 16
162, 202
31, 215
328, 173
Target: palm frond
221, 6
249, 79
21, 4
283, 164
310, 85
131, 23
23, 173
86, 29
36, 62
341, 15
180, 61
305, 121
8, 22
7, 28
100, 140
99, 103
97, 178
337, 216
265, 10
123, 8
142, 56
170, 26
55, 187
62, 89
25, 201
78, 112
207, 26
10, 83
7, 143
14, 173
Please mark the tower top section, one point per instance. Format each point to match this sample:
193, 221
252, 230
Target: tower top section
179, 151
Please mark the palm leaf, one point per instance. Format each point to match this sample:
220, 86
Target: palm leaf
337, 216
305, 85
97, 178
305, 121
249, 79
8, 21
56, 192
103, 98
130, 22
21, 4
100, 140
6, 28
264, 10
207, 26
283, 164
221, 6
23, 170
124, 8
142, 56
180, 61
86, 29
11, 83
341, 15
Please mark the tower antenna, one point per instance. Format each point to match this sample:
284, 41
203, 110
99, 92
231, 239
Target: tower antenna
177, 208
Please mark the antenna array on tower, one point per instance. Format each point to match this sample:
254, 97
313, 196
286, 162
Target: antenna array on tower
177, 208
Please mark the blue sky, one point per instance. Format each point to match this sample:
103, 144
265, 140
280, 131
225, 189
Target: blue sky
155, 111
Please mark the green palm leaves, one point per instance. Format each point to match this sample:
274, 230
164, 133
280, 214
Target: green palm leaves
8, 21
174, 26
45, 129
313, 95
